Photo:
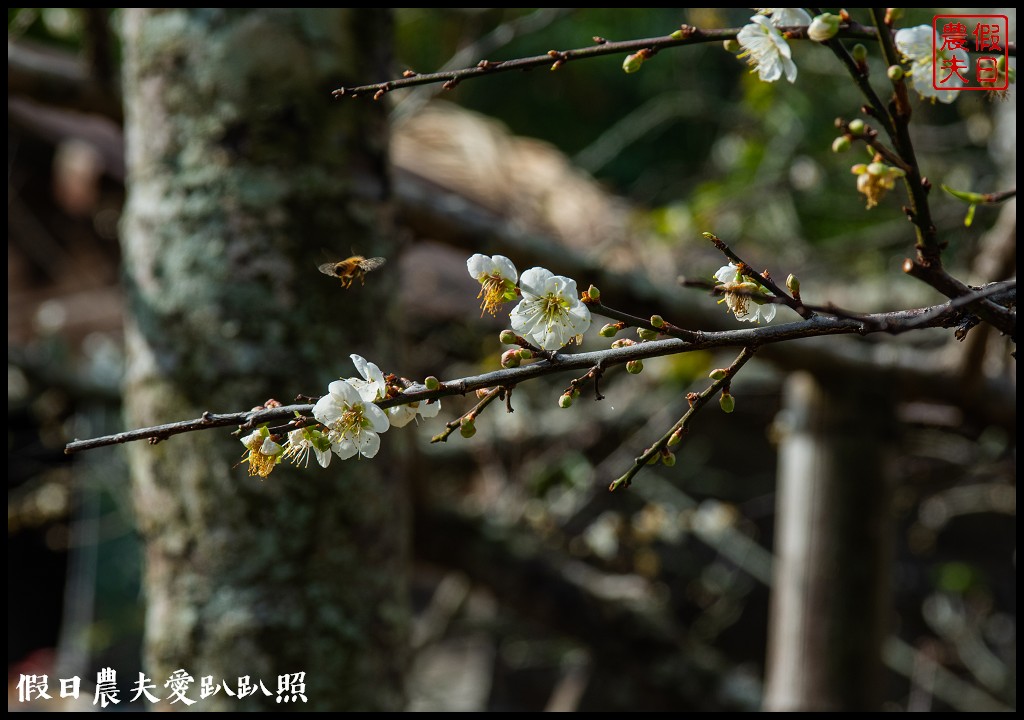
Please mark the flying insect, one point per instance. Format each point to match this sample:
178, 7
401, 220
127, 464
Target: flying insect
349, 269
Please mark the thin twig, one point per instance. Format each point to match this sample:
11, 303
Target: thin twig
687, 35
697, 401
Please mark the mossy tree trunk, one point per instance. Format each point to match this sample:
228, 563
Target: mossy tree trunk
242, 170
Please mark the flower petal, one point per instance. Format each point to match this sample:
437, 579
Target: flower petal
377, 417
786, 17
369, 444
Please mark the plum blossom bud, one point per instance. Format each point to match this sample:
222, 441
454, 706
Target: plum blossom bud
609, 331
431, 383
727, 402
633, 62
467, 428
895, 72
635, 367
565, 401
841, 144
793, 284
646, 334
593, 293
507, 337
860, 53
657, 321
857, 126
511, 358
718, 374
823, 27
668, 459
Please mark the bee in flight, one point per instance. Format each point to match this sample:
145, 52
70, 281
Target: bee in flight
351, 268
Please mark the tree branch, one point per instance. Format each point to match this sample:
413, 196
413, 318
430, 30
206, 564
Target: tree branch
892, 322
686, 35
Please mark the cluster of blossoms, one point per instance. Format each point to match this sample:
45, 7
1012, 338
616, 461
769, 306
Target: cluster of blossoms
350, 424
550, 312
744, 297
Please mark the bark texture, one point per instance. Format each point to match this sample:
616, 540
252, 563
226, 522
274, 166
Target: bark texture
241, 173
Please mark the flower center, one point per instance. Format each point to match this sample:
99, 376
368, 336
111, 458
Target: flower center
492, 290
260, 464
351, 421
552, 307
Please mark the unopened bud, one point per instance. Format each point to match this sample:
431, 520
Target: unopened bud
668, 459
860, 53
526, 354
635, 367
657, 321
565, 400
857, 126
793, 284
633, 62
609, 331
467, 428
718, 374
823, 27
727, 403
731, 45
675, 438
647, 334
841, 144
507, 337
575, 393
653, 459
594, 293
431, 383
510, 358
895, 72
624, 342
877, 168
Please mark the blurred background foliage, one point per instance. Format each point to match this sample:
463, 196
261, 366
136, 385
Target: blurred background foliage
692, 142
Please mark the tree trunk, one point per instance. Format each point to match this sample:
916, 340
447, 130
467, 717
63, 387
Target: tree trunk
241, 170
832, 547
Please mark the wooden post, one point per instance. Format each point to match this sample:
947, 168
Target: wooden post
830, 598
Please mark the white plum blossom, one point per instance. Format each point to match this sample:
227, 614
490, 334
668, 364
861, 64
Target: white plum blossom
353, 423
921, 46
766, 50
308, 440
550, 313
262, 452
402, 415
741, 295
497, 277
786, 17
372, 386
